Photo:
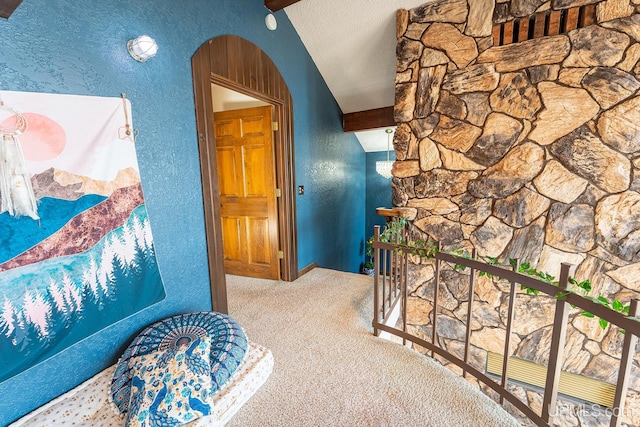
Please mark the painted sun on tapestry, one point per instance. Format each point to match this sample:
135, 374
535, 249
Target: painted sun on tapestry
76, 249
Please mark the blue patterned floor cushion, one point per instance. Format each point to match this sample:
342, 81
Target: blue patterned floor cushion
170, 387
227, 349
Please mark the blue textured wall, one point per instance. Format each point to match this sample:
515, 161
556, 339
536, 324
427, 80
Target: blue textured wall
378, 192
78, 47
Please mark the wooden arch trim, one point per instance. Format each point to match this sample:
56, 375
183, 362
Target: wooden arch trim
238, 64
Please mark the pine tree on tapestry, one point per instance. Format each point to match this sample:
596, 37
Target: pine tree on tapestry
72, 292
149, 249
58, 320
64, 314
90, 281
8, 325
119, 275
91, 303
27, 335
37, 312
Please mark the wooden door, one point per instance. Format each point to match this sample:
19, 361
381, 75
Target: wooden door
246, 176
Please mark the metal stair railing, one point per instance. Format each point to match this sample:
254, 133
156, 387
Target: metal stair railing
390, 289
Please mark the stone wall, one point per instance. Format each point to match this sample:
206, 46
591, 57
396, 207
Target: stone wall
528, 151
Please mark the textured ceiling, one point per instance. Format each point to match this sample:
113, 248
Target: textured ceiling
353, 44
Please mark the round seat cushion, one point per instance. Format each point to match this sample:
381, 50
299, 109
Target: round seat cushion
227, 350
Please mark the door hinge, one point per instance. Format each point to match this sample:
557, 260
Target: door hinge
274, 126
280, 255
278, 192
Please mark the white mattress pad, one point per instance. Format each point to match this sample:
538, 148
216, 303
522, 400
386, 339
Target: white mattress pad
89, 404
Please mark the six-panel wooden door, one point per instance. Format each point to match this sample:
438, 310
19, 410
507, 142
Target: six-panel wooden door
246, 175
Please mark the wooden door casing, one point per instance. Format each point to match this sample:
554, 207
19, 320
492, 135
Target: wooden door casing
238, 64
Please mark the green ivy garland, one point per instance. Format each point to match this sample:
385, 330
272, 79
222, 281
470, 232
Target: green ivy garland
393, 233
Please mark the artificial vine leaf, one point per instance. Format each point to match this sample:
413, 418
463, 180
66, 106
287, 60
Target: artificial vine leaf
586, 285
617, 305
546, 277
530, 291
598, 300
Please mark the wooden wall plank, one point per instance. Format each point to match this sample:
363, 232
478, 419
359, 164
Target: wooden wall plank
523, 31
588, 15
252, 70
234, 70
538, 26
572, 19
218, 58
497, 30
507, 35
554, 23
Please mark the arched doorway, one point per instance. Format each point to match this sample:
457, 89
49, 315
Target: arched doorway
237, 64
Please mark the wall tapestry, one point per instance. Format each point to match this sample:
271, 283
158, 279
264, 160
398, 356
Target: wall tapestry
76, 249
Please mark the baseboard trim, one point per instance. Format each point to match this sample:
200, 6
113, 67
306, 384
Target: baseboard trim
307, 269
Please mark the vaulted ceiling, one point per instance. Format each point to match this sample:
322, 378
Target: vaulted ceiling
353, 44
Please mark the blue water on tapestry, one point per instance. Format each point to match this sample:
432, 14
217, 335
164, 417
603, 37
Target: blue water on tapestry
48, 303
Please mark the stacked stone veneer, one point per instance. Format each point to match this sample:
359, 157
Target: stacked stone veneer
528, 151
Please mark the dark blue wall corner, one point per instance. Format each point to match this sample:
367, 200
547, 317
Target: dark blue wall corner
331, 211
79, 48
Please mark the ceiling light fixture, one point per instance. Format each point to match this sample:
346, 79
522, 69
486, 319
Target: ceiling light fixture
383, 167
142, 48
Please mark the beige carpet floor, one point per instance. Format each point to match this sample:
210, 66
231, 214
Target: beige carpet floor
330, 370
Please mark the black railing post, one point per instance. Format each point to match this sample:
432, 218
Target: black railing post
507, 340
557, 349
405, 294
628, 348
434, 311
384, 260
376, 274
472, 287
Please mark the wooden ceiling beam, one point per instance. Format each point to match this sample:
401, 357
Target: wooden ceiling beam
276, 5
369, 119
7, 7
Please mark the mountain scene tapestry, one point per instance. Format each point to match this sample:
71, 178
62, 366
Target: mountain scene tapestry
76, 249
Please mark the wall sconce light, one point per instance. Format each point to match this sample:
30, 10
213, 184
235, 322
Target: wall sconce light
142, 48
271, 22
